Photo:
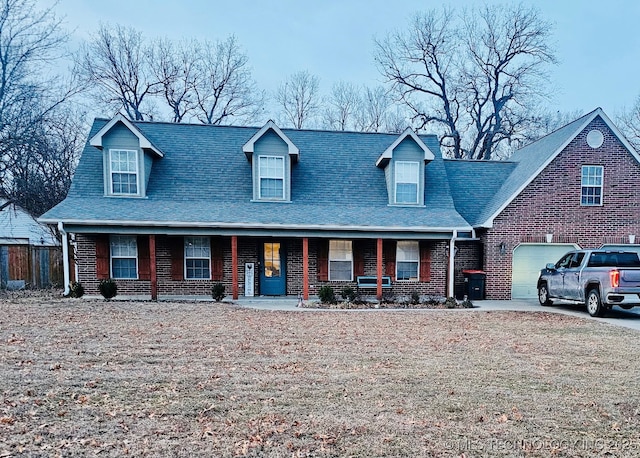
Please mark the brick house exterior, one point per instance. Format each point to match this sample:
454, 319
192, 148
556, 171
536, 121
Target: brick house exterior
172, 209
550, 204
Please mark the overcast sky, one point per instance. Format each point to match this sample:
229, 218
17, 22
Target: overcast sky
597, 43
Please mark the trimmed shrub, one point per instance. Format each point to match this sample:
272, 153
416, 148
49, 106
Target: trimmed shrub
108, 288
348, 294
467, 304
451, 303
415, 298
326, 295
76, 289
217, 292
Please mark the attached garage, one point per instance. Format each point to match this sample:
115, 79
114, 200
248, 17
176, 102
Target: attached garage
528, 260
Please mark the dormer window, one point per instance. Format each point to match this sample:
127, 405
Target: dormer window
271, 176
123, 172
407, 178
127, 157
272, 155
404, 164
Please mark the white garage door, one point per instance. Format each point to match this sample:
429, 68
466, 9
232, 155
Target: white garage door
528, 259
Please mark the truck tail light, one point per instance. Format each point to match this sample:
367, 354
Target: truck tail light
614, 276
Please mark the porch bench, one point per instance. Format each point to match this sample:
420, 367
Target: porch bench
371, 281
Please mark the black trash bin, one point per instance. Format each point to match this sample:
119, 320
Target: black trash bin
474, 284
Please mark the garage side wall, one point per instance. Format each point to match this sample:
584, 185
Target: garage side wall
550, 204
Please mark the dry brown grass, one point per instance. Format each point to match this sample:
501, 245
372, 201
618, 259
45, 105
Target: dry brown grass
197, 379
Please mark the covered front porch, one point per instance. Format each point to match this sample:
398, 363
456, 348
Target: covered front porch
269, 263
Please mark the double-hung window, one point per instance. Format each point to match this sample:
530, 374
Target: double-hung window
271, 177
407, 174
197, 258
124, 256
407, 260
591, 193
340, 260
123, 171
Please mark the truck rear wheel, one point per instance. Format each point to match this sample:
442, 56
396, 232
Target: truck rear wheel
594, 304
543, 295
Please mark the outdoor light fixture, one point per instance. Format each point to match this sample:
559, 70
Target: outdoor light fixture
503, 248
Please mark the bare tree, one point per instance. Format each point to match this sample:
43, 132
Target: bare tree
377, 112
298, 98
341, 107
175, 66
473, 74
629, 121
45, 162
116, 63
422, 67
224, 88
32, 100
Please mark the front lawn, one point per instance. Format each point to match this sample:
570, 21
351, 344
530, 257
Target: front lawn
81, 377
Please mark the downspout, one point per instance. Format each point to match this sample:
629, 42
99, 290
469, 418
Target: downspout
65, 257
452, 255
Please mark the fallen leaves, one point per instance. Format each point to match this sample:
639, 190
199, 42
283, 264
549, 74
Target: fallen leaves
165, 378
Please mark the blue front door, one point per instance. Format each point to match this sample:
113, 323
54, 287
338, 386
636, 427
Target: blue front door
273, 272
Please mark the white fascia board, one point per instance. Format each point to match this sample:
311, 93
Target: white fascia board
248, 148
408, 132
96, 140
183, 224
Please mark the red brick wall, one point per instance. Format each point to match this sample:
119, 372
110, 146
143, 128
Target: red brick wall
435, 287
551, 205
468, 257
249, 251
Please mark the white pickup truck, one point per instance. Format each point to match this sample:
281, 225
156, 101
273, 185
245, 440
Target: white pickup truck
598, 278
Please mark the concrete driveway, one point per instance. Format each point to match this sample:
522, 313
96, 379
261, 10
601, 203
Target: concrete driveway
617, 316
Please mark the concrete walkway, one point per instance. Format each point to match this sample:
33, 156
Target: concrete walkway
617, 316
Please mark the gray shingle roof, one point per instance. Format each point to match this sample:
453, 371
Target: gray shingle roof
204, 178
482, 189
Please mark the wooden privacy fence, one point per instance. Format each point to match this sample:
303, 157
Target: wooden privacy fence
26, 266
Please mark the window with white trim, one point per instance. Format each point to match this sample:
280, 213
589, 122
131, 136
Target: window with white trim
340, 260
124, 256
407, 260
123, 171
591, 193
407, 174
271, 177
197, 258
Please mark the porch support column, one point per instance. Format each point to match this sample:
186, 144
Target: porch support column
65, 257
450, 270
379, 269
234, 266
305, 268
152, 267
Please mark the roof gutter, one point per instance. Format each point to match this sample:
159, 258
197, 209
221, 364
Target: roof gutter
209, 225
65, 257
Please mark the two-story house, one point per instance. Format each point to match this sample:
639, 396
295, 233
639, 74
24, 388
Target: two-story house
169, 209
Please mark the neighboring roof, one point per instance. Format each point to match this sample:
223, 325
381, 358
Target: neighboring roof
385, 157
17, 226
204, 181
494, 184
96, 139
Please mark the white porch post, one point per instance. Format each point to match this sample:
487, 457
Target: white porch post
65, 257
451, 272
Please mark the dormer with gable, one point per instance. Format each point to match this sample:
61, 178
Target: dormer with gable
127, 158
271, 155
404, 167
